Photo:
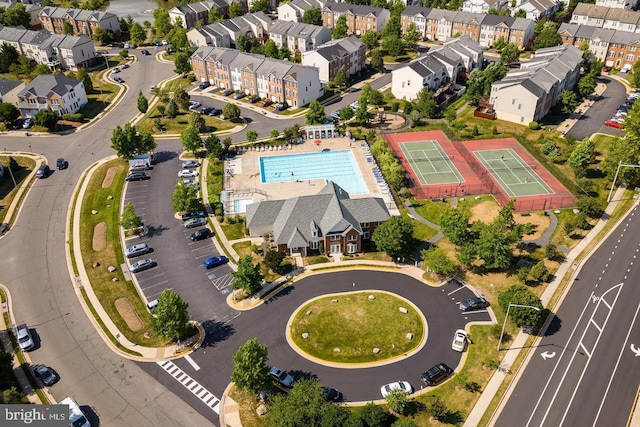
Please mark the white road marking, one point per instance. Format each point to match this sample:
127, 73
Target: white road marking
190, 384
192, 362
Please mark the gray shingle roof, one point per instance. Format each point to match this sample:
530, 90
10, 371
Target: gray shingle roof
44, 84
7, 85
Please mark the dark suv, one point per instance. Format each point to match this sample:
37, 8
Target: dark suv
436, 374
473, 304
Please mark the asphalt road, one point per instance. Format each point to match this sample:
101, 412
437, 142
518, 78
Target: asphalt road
584, 371
211, 365
603, 109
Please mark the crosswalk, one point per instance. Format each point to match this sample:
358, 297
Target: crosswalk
192, 385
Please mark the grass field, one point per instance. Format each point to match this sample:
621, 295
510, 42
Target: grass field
7, 190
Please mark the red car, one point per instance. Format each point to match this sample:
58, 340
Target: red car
614, 123
266, 103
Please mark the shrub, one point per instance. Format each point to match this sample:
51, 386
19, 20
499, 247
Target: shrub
75, 117
534, 126
395, 106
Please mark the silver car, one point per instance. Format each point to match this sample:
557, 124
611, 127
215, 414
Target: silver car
195, 222
137, 250
143, 264
23, 336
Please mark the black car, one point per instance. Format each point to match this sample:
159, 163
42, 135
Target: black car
204, 85
436, 374
281, 106
474, 304
254, 99
228, 92
201, 234
136, 176
43, 172
62, 164
146, 52
47, 375
333, 394
215, 112
206, 110
195, 214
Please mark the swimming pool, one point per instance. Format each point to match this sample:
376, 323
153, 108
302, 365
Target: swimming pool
337, 166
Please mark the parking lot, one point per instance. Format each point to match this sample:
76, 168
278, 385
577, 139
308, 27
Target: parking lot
179, 260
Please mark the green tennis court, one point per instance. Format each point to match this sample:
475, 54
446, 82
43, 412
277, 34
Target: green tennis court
430, 163
514, 175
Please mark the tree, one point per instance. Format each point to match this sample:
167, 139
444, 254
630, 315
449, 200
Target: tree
393, 28
370, 415
454, 224
260, 6
177, 38
622, 150
161, 21
346, 114
190, 139
252, 135
436, 260
494, 72
340, 79
304, 405
370, 39
581, 157
521, 295
247, 276
312, 16
377, 59
284, 53
214, 15
415, 116
171, 315
143, 103
138, 33
340, 29
425, 103
315, 113
500, 43
569, 101
8, 56
292, 132
83, 75
586, 85
46, 118
494, 244
635, 76
539, 272
67, 28
273, 259
213, 146
182, 98
250, 369
394, 236
127, 141
412, 35
181, 63
510, 53
475, 87
393, 45
450, 115
129, 220
231, 112
185, 198
172, 109
584, 47
548, 37
235, 10
274, 133
361, 113
242, 43
102, 36
397, 401
520, 13
196, 120
270, 49
17, 15
8, 112
404, 422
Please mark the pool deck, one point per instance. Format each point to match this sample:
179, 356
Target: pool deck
246, 174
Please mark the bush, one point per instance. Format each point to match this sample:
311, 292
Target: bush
75, 117
191, 78
395, 106
534, 126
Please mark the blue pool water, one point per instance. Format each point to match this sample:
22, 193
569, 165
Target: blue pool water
337, 166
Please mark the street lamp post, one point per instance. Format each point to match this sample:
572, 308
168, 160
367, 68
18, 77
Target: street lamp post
505, 318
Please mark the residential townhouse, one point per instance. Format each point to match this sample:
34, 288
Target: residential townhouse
280, 81
54, 50
360, 18
32, 9
298, 37
483, 6
620, 49
440, 66
607, 18
618, 4
83, 21
538, 9
295, 9
209, 35
348, 53
442, 25
329, 221
189, 15
527, 94
55, 92
9, 90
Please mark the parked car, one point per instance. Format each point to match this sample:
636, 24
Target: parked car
215, 112
115, 70
399, 385
194, 214
125, 66
472, 304
195, 222
333, 394
145, 52
615, 123
215, 261
354, 106
43, 172
136, 176
187, 173
254, 99
239, 95
61, 163
191, 182
143, 264
266, 103
434, 375
190, 164
460, 339
201, 234
228, 92
17, 124
127, 45
282, 106
194, 105
118, 79
28, 122
22, 334
606, 69
282, 377
137, 250
206, 110
47, 375
335, 114
204, 85
164, 43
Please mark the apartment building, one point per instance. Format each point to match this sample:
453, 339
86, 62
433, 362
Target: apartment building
607, 18
189, 15
84, 22
618, 4
485, 29
280, 81
295, 9
360, 18
483, 6
527, 94
298, 37
537, 9
348, 53
55, 92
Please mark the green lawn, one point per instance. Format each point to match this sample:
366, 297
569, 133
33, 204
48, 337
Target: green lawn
7, 190
180, 122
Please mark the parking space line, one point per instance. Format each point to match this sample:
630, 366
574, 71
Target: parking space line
456, 290
192, 362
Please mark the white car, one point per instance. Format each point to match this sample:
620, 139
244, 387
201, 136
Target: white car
187, 173
192, 183
354, 106
400, 385
194, 105
460, 339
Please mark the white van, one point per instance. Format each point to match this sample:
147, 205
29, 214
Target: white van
76, 416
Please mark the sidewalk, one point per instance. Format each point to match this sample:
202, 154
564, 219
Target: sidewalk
519, 342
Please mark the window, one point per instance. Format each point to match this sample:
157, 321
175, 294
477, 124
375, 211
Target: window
313, 245
629, 57
335, 237
352, 238
352, 248
408, 82
365, 235
364, 225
